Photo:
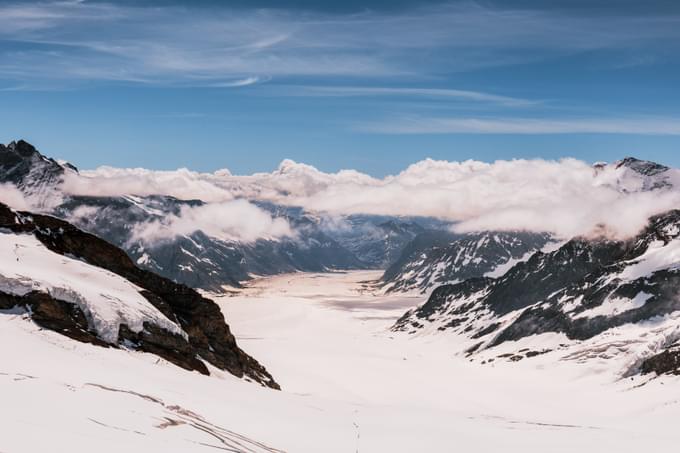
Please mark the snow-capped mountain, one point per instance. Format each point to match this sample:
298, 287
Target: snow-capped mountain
199, 259
83, 287
633, 175
435, 258
585, 290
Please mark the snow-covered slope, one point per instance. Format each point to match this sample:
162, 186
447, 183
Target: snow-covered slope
585, 290
88, 290
368, 391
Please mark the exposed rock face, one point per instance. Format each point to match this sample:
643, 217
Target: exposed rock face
63, 317
666, 362
435, 258
582, 289
208, 336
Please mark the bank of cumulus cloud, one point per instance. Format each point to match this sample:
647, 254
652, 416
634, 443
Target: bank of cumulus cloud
236, 220
566, 197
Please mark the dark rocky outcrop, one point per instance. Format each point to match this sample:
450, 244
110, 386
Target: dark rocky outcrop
209, 337
53, 314
666, 362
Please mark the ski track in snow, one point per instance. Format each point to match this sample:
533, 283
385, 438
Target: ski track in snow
349, 384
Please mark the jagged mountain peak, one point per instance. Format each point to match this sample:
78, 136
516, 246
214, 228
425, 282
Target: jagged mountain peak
635, 175
22, 148
19, 151
643, 167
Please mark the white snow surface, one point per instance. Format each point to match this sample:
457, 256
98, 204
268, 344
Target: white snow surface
349, 384
501, 269
106, 299
614, 305
658, 256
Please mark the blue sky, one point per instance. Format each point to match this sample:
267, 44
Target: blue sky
368, 85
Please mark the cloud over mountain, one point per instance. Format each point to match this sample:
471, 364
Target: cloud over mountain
567, 197
13, 197
236, 220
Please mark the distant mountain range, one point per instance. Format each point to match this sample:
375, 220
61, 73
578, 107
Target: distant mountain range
440, 257
488, 289
435, 258
200, 260
601, 293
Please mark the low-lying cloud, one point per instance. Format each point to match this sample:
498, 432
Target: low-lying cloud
181, 183
236, 220
13, 197
566, 197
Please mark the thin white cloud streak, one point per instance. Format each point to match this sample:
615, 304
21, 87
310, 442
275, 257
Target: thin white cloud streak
433, 93
421, 125
237, 83
143, 44
566, 197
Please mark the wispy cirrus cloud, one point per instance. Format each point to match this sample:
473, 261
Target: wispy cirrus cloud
238, 83
424, 125
175, 44
407, 92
